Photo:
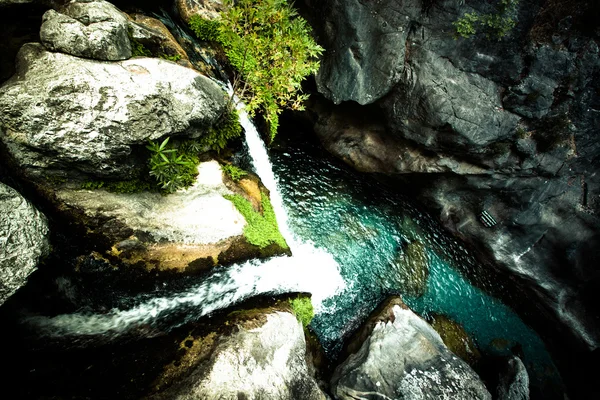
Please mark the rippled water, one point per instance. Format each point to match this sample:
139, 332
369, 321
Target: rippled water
366, 229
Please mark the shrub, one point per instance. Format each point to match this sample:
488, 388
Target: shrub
173, 168
303, 309
234, 172
495, 25
260, 230
271, 49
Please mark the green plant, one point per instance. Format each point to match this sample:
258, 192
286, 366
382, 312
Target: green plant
173, 58
131, 186
234, 172
271, 49
496, 25
303, 309
261, 229
138, 49
173, 168
219, 134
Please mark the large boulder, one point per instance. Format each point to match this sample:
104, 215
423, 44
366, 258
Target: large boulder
23, 240
66, 116
87, 28
404, 357
262, 357
514, 381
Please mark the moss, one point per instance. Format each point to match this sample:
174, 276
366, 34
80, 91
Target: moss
227, 128
456, 338
131, 186
495, 25
303, 309
234, 172
260, 230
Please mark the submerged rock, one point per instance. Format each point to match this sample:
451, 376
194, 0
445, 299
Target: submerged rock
84, 28
514, 382
63, 116
23, 240
456, 338
403, 357
413, 269
263, 356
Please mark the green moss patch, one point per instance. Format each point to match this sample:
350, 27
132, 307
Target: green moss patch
234, 172
261, 229
132, 186
303, 309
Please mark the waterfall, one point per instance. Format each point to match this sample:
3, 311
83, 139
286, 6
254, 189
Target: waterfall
309, 269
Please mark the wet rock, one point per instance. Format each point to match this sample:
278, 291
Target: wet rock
84, 28
207, 9
514, 382
154, 35
23, 240
65, 116
403, 357
456, 338
263, 356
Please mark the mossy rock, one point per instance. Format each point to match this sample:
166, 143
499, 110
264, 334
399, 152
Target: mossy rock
456, 338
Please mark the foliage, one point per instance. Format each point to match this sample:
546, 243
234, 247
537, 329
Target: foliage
260, 230
234, 172
227, 128
138, 49
173, 58
271, 49
206, 30
173, 168
131, 186
303, 309
495, 25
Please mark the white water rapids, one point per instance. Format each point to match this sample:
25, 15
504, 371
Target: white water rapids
309, 270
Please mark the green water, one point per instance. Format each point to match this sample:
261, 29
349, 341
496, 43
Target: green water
366, 228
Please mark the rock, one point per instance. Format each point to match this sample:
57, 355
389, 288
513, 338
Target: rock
87, 28
186, 231
23, 240
456, 338
154, 35
66, 116
207, 9
412, 268
514, 382
262, 357
403, 357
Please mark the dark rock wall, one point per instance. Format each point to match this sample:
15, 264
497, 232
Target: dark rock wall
509, 127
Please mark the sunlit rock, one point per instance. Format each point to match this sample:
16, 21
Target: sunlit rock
23, 240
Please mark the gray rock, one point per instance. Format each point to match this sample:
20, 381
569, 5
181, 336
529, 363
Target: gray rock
66, 115
514, 383
405, 358
87, 28
207, 9
254, 362
23, 240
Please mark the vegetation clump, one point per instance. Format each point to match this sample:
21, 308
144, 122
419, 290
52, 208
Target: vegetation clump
261, 229
303, 309
131, 186
234, 172
272, 50
172, 167
226, 129
138, 49
496, 25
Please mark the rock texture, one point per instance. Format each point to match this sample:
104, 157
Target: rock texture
208, 9
23, 240
64, 116
506, 126
403, 357
257, 360
514, 383
87, 28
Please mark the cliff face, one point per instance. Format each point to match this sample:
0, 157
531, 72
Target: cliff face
481, 127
